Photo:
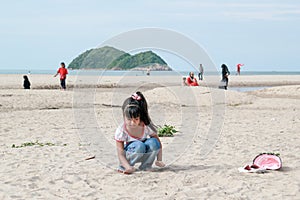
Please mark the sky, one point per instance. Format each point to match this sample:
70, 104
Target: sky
261, 34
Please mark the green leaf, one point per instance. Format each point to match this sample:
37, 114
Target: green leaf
166, 131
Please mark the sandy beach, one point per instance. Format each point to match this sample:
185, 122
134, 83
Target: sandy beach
219, 131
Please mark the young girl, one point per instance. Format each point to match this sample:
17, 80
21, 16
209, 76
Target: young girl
136, 138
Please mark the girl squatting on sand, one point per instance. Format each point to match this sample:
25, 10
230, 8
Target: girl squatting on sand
136, 138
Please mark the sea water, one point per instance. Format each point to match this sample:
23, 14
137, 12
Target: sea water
140, 73
247, 89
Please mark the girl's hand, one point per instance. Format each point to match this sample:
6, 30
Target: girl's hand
129, 170
160, 163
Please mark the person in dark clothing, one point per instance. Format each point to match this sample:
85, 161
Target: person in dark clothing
26, 83
225, 74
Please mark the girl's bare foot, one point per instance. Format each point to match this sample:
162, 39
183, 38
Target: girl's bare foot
160, 163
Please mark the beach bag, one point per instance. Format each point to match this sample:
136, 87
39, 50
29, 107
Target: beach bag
268, 161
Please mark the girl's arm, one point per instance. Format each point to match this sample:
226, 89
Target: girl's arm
122, 158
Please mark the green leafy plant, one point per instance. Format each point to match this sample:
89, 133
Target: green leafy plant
36, 143
166, 131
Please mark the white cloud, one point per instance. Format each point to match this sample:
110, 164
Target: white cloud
228, 10
261, 11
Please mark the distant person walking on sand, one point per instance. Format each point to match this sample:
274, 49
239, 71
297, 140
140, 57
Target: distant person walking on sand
191, 81
26, 83
62, 71
225, 74
238, 69
200, 74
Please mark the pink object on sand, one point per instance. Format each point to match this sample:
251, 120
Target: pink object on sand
268, 161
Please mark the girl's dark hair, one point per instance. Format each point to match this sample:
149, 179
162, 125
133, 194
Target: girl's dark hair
62, 63
136, 106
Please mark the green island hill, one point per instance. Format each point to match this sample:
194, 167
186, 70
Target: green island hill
110, 58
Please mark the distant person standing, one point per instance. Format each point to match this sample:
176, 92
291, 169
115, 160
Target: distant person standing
200, 74
238, 69
225, 74
26, 83
148, 72
62, 71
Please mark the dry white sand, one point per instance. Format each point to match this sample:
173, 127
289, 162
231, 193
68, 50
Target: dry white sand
219, 132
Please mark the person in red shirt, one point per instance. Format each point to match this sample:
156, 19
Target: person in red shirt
62, 71
238, 69
191, 81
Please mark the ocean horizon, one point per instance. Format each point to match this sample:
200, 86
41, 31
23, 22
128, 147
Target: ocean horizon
140, 73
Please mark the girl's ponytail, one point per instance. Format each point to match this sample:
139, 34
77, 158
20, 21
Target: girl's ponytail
145, 115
